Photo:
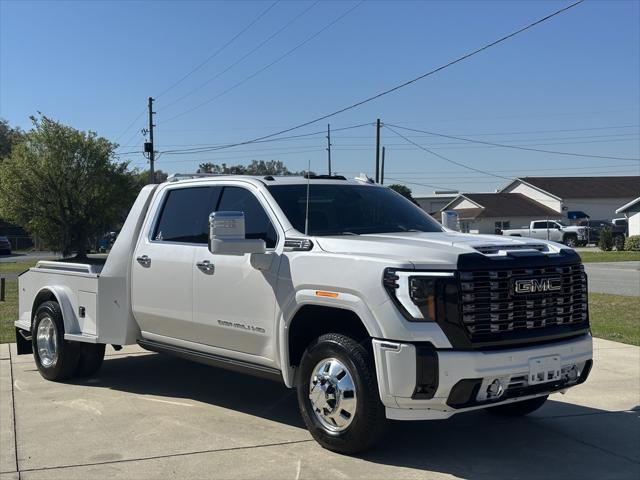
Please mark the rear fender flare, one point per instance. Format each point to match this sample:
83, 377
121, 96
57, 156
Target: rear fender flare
63, 296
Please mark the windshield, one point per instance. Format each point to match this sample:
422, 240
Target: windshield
351, 210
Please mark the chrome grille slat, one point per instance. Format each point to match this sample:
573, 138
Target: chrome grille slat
488, 305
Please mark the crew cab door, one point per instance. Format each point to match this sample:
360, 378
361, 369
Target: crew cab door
555, 232
163, 263
538, 230
235, 295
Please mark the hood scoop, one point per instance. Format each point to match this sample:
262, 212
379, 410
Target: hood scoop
498, 249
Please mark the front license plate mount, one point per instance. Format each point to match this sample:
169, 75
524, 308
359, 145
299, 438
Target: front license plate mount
544, 369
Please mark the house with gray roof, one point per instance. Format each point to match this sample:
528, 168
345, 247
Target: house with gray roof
493, 212
579, 197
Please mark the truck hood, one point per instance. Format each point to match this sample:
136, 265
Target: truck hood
426, 249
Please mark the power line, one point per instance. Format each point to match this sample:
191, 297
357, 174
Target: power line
437, 187
265, 139
220, 50
416, 79
483, 142
553, 130
200, 65
251, 155
277, 60
130, 125
468, 167
432, 172
241, 59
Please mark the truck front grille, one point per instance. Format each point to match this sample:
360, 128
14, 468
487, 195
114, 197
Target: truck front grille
491, 307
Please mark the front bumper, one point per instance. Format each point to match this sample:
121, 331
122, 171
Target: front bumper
419, 382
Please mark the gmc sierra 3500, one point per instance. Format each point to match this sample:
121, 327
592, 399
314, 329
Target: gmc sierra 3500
340, 288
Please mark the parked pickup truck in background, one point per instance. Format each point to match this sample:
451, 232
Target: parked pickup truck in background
553, 230
595, 227
342, 289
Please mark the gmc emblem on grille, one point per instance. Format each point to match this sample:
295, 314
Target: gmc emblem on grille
535, 285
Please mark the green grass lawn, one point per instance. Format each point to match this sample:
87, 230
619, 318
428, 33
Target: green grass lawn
9, 308
17, 267
615, 317
599, 256
9, 312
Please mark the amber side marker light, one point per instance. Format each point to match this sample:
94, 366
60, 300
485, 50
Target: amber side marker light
321, 293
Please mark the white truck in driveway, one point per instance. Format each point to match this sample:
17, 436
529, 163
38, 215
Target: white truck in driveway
342, 289
552, 230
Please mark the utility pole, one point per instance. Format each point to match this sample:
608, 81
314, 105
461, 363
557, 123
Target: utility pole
149, 147
329, 146
382, 168
378, 151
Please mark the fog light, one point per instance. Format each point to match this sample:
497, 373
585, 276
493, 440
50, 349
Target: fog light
495, 389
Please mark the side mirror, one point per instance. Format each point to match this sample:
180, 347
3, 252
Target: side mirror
227, 235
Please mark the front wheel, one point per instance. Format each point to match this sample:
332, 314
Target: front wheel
571, 241
338, 394
518, 409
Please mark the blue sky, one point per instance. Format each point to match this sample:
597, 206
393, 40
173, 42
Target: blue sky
570, 84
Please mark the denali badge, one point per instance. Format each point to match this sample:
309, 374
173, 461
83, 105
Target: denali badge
534, 285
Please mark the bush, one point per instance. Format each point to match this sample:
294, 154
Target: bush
606, 240
632, 243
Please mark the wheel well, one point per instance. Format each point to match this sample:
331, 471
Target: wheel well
41, 297
311, 321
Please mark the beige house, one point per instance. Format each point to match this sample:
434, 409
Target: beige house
631, 211
573, 197
490, 213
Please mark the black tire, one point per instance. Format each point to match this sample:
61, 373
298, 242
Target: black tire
67, 353
518, 409
91, 358
369, 421
570, 241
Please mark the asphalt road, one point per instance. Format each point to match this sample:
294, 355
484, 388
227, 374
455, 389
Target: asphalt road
145, 415
620, 278
27, 257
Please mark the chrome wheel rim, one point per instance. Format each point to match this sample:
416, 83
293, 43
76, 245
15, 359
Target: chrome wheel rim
47, 342
332, 393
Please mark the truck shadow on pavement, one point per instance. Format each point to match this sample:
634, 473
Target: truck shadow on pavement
561, 440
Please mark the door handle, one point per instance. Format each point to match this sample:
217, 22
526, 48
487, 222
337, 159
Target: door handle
144, 261
206, 267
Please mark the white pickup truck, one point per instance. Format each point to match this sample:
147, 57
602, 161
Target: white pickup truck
553, 230
339, 288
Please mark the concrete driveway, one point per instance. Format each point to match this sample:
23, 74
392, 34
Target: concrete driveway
150, 416
619, 278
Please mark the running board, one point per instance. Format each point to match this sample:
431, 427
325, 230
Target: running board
213, 360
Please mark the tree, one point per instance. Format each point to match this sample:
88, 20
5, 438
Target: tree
64, 186
605, 242
142, 177
8, 138
256, 167
404, 191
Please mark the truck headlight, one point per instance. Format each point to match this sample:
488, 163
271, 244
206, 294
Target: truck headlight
418, 295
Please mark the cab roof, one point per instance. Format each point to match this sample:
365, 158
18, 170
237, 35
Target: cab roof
273, 179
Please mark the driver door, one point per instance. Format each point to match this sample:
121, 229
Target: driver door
235, 297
